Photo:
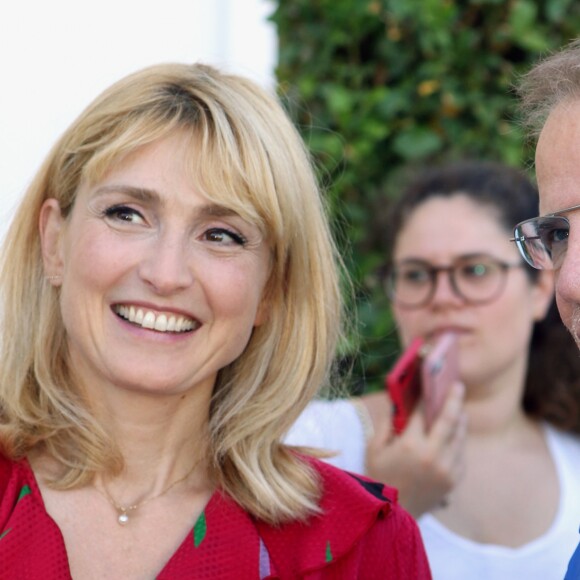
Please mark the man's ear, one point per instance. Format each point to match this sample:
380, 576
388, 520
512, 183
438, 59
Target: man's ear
543, 293
51, 226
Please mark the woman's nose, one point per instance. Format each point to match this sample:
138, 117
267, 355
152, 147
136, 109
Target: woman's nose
444, 292
165, 265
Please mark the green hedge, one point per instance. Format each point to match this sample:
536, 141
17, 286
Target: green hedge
377, 87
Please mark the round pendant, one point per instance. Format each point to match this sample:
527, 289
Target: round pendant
123, 519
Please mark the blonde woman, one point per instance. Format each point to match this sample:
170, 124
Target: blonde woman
171, 304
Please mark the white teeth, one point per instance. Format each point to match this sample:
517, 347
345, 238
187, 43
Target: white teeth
159, 322
149, 320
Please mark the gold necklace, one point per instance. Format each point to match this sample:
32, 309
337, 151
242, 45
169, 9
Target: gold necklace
124, 511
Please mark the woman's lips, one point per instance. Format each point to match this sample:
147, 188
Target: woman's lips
159, 321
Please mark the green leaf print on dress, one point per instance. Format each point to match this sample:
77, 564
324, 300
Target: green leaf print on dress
199, 530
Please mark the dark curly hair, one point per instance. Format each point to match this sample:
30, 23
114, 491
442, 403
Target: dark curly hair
552, 388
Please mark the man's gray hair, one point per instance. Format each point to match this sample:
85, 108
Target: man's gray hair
553, 80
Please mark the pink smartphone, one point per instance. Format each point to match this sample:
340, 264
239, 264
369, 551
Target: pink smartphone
440, 369
403, 383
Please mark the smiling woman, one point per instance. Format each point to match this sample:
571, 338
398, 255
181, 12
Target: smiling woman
174, 255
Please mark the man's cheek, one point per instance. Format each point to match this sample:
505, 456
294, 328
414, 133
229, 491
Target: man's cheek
572, 322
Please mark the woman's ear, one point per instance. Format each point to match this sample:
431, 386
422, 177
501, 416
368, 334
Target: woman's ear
50, 225
543, 293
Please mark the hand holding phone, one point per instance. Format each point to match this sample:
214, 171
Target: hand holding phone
439, 371
403, 383
421, 373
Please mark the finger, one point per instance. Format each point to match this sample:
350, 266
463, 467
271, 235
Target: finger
446, 423
416, 427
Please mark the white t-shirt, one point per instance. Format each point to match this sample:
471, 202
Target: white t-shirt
453, 557
335, 425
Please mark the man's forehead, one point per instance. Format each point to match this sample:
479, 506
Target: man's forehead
558, 159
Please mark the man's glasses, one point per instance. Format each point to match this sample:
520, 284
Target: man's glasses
543, 241
475, 278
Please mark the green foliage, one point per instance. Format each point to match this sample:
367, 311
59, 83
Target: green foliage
380, 86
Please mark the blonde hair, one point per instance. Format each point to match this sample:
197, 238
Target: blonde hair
553, 80
249, 158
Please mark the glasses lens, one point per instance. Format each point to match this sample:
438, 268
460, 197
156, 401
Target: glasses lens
410, 284
479, 278
543, 241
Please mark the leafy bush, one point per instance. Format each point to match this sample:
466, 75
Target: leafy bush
379, 87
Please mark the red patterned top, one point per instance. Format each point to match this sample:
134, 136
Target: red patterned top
362, 534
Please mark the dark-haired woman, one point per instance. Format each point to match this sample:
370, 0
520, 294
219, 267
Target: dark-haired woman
513, 507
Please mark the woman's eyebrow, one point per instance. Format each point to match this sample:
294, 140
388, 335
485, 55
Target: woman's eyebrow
147, 195
454, 259
216, 210
138, 193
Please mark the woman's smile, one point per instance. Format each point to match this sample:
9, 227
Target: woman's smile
157, 321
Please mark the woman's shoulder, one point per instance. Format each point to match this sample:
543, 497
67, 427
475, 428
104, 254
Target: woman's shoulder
339, 485
16, 480
360, 532
12, 472
6, 467
563, 441
31, 545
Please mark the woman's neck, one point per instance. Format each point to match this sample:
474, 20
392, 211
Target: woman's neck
495, 408
159, 437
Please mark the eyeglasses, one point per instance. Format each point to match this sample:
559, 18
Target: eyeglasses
543, 241
475, 278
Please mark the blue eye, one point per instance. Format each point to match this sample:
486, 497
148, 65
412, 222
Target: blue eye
560, 235
554, 236
553, 231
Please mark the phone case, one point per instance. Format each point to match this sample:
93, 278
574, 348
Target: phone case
439, 371
403, 384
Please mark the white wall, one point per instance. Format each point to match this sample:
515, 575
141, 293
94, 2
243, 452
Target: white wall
57, 55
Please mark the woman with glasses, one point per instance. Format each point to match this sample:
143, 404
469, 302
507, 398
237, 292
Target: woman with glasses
512, 510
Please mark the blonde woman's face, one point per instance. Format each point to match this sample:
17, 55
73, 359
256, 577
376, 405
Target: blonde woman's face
160, 287
494, 337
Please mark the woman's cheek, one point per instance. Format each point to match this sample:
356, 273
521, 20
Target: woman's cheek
408, 325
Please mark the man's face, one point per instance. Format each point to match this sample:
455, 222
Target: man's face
558, 174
